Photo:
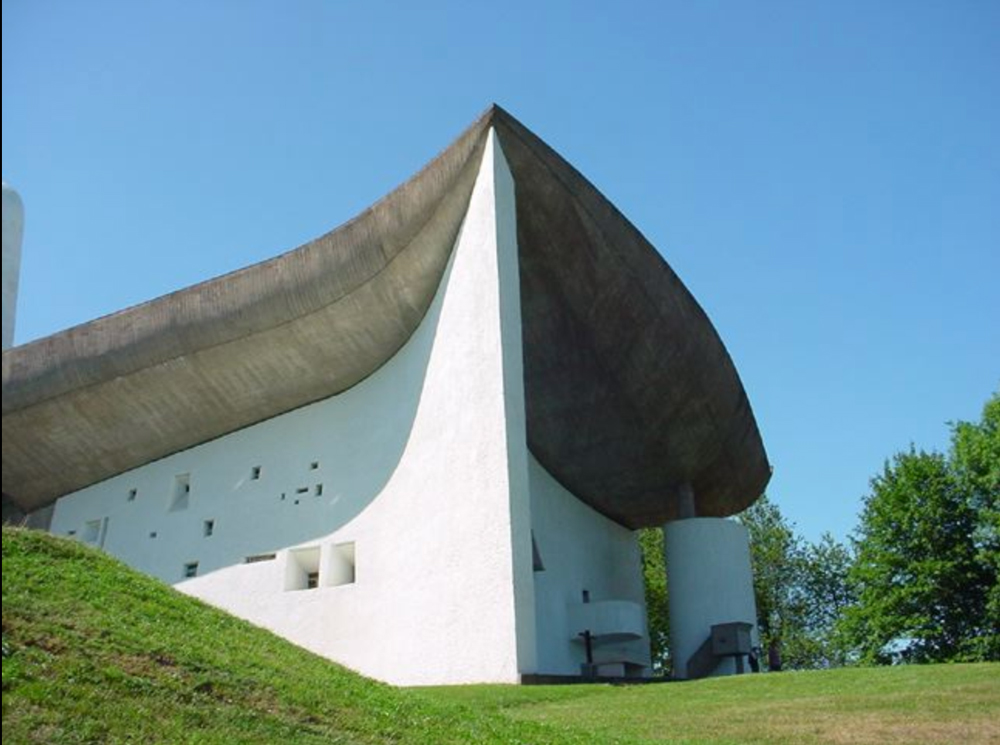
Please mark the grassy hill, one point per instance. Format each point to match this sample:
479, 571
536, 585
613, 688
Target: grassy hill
95, 652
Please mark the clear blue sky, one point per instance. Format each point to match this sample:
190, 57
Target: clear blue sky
824, 176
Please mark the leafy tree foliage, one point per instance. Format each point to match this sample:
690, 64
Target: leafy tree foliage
975, 461
920, 582
774, 551
655, 577
800, 588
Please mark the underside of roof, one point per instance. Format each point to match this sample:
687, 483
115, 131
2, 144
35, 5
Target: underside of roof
630, 393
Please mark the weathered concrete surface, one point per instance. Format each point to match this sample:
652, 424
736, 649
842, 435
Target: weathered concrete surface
630, 394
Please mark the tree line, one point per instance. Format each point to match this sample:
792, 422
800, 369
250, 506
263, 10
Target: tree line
916, 581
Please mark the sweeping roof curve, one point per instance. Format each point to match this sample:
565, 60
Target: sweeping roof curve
630, 393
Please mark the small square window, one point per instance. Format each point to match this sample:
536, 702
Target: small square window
255, 473
152, 534
209, 527
314, 465
191, 569
132, 494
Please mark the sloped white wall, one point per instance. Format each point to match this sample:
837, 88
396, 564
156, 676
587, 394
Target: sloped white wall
423, 468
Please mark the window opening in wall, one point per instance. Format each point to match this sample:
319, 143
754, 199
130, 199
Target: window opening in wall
209, 527
338, 568
314, 465
537, 564
70, 532
282, 496
300, 565
191, 569
302, 490
255, 473
312, 580
259, 557
94, 531
181, 497
318, 491
132, 494
152, 534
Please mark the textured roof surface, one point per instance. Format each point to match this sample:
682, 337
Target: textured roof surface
630, 393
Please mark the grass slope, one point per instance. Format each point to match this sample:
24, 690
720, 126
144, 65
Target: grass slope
95, 652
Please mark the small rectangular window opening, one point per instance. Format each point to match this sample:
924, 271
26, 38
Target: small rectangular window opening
180, 498
132, 494
152, 534
312, 580
259, 557
314, 465
302, 490
92, 531
255, 473
318, 490
191, 569
209, 527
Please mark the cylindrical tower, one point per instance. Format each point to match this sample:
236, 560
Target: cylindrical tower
710, 583
13, 230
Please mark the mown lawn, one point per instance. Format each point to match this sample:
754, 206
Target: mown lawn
913, 704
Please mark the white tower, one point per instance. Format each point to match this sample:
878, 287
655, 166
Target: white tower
13, 230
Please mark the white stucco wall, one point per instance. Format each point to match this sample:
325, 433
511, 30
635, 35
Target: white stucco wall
580, 550
710, 581
424, 477
13, 231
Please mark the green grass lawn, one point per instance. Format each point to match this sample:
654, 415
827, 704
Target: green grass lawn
913, 704
95, 652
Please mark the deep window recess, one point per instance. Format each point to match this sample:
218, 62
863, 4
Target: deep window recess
181, 496
314, 465
301, 564
318, 491
255, 473
94, 531
312, 580
132, 494
338, 566
209, 527
191, 569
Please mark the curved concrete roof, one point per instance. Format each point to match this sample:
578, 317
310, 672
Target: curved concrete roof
630, 393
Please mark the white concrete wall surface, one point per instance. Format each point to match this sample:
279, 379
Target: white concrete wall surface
415, 481
710, 581
13, 232
581, 550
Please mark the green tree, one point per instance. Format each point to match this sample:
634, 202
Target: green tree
823, 594
775, 552
921, 587
655, 578
975, 461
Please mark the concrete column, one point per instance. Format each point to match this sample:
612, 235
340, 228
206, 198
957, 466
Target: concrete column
13, 230
710, 581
